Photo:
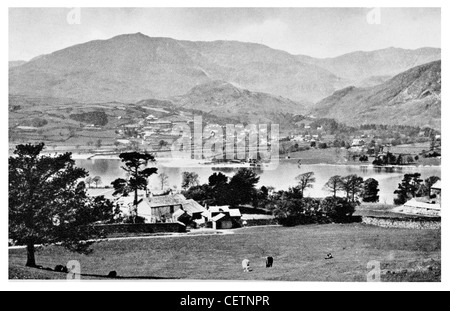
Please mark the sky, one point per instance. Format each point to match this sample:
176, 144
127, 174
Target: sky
317, 32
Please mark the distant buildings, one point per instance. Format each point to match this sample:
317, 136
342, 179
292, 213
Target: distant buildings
418, 207
358, 142
424, 206
436, 191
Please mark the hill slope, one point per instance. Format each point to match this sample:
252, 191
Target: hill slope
16, 63
410, 98
226, 100
134, 67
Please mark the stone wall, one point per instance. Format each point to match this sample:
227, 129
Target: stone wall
137, 229
432, 223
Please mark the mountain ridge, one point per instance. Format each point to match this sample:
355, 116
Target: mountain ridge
410, 98
132, 67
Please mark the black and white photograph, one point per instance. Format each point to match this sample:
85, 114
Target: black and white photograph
245, 144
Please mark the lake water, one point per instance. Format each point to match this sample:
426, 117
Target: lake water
282, 178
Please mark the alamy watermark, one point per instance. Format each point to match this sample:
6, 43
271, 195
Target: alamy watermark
74, 16
375, 273
74, 270
374, 16
253, 145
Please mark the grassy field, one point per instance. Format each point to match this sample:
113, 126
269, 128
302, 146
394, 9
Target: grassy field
405, 255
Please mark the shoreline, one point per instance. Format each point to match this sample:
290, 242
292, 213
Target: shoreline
305, 162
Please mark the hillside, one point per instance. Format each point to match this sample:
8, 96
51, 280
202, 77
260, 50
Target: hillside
410, 98
16, 63
223, 99
133, 67
360, 67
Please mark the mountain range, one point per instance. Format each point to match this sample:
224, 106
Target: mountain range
225, 77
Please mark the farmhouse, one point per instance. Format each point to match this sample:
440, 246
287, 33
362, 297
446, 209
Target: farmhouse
223, 217
163, 209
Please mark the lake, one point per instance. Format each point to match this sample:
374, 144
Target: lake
282, 178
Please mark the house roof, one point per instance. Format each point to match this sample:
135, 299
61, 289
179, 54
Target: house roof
218, 217
178, 213
417, 204
168, 200
437, 185
191, 207
235, 212
219, 209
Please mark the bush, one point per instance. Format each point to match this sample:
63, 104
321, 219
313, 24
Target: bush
337, 209
293, 212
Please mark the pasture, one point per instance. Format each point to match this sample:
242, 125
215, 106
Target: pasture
299, 253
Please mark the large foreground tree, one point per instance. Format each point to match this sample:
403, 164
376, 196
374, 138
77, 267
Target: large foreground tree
48, 204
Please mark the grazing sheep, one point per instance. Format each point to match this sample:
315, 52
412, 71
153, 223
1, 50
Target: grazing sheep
246, 265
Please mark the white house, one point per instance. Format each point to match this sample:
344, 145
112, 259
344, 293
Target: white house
416, 207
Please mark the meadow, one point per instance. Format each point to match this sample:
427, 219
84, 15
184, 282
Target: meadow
404, 255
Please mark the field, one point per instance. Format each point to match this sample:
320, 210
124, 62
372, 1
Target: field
299, 253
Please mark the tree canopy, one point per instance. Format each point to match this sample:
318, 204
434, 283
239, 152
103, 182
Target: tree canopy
48, 204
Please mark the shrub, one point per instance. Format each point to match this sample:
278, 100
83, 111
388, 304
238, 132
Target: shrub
338, 209
293, 212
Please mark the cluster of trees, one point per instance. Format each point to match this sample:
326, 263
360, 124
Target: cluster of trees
292, 208
401, 134
391, 159
354, 187
413, 186
221, 190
